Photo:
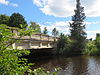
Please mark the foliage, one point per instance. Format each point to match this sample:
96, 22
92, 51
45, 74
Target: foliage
5, 35
17, 20
97, 41
45, 31
4, 19
93, 47
55, 32
64, 45
41, 71
35, 27
10, 63
77, 27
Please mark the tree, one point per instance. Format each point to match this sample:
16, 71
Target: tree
93, 46
11, 62
4, 19
45, 31
17, 20
77, 27
55, 32
35, 26
97, 41
97, 35
64, 44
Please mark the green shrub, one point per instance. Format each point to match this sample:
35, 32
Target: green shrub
41, 71
97, 41
91, 48
10, 63
64, 45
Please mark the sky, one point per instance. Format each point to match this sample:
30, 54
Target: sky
54, 13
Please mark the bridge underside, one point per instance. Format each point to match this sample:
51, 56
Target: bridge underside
42, 52
39, 54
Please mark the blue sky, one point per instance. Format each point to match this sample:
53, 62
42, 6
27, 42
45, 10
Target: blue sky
54, 13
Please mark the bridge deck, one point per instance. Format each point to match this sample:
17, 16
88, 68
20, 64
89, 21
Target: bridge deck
36, 41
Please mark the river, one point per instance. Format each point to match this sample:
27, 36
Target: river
75, 65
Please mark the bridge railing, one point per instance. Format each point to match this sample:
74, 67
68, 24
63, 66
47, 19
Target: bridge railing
34, 41
42, 37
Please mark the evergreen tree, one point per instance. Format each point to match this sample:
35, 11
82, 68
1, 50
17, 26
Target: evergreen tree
77, 27
45, 31
17, 20
55, 32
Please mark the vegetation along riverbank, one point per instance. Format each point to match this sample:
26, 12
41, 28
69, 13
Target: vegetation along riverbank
16, 36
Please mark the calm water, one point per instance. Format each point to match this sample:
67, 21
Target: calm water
77, 65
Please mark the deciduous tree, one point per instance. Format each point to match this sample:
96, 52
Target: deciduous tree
17, 20
4, 19
35, 27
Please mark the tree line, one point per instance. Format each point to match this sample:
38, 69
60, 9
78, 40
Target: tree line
93, 46
18, 20
77, 42
10, 61
67, 44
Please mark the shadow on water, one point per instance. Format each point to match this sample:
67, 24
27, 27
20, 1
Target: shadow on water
74, 65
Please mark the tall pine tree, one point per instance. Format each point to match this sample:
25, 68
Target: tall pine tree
77, 27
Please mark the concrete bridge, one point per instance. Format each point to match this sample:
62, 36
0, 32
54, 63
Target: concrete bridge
35, 41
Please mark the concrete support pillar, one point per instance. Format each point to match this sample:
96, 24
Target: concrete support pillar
14, 46
40, 44
40, 37
48, 45
30, 42
48, 38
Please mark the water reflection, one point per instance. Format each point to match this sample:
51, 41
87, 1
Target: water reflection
77, 65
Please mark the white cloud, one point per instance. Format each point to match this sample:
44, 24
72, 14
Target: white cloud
38, 2
6, 2
92, 33
15, 5
61, 26
65, 8
90, 23
56, 7
93, 36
